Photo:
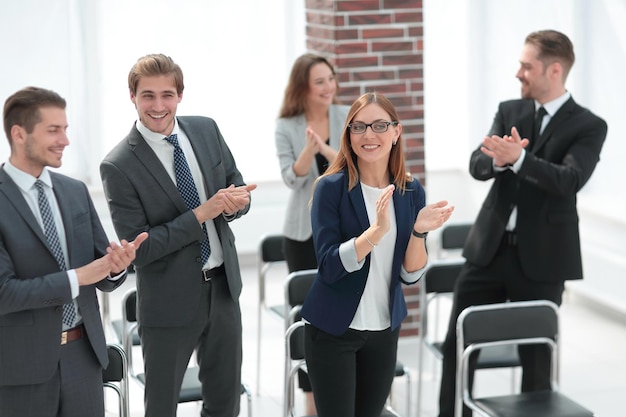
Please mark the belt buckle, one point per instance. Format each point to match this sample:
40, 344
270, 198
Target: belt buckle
63, 338
206, 275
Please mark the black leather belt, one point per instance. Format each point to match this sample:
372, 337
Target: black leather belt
509, 238
209, 274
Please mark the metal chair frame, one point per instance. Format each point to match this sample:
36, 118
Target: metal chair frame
511, 324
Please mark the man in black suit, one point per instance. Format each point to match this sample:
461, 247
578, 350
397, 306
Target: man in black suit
53, 255
525, 243
188, 297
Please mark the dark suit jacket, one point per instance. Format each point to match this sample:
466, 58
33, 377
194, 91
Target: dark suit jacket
33, 290
544, 190
143, 197
337, 215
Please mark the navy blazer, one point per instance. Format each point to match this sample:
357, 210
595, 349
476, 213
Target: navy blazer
338, 215
544, 190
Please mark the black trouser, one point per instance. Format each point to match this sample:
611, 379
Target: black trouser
351, 374
502, 280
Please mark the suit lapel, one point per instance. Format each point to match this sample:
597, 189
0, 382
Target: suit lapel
356, 198
151, 162
200, 144
16, 199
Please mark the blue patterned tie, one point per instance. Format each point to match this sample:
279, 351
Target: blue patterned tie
188, 190
69, 310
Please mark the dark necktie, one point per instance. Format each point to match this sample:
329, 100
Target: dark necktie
69, 310
541, 111
187, 188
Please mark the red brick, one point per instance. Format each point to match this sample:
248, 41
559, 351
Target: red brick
408, 73
356, 5
367, 61
409, 17
382, 33
417, 32
373, 75
345, 48
347, 34
398, 46
404, 59
402, 4
369, 19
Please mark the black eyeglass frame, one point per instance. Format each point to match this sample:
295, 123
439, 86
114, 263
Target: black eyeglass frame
371, 126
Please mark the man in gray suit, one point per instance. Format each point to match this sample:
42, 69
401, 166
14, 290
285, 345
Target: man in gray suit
188, 278
53, 255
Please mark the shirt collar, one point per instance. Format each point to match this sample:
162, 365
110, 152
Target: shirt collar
152, 136
24, 180
553, 106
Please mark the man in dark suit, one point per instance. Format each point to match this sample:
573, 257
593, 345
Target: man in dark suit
53, 255
525, 243
187, 295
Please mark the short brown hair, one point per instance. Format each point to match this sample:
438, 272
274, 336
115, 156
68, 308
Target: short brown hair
553, 47
154, 65
22, 108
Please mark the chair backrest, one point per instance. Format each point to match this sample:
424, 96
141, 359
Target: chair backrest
297, 286
509, 321
441, 275
271, 248
453, 236
129, 302
117, 372
270, 253
503, 324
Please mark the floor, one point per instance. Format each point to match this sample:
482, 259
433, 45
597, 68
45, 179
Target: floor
593, 369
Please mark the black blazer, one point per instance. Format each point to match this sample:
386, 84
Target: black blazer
544, 190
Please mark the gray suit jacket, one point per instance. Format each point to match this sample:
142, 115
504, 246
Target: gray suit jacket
33, 289
290, 141
143, 197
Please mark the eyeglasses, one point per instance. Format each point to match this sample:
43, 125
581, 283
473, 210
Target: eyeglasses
359, 128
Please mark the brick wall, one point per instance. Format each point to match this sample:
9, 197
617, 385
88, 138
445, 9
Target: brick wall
376, 45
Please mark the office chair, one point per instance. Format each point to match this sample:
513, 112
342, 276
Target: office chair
297, 286
270, 253
512, 324
191, 389
294, 361
115, 377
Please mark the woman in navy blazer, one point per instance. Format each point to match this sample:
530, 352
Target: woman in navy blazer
369, 219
